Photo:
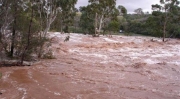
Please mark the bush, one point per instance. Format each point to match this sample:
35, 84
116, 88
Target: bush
128, 34
76, 30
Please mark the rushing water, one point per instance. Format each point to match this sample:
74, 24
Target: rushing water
98, 68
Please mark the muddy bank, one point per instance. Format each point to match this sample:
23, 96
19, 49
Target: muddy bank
99, 68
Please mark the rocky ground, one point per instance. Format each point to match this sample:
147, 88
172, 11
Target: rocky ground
120, 67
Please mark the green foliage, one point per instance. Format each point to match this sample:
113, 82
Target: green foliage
99, 14
65, 16
100, 10
163, 22
128, 34
27, 23
154, 26
139, 11
114, 26
165, 19
23, 23
66, 29
135, 27
86, 21
73, 29
122, 10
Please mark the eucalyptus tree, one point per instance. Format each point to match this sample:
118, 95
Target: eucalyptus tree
9, 10
24, 24
139, 11
50, 9
48, 12
5, 22
76, 20
13, 27
17, 7
122, 10
42, 13
112, 22
87, 20
68, 12
102, 10
166, 11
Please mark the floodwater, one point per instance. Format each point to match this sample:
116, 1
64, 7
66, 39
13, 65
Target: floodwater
99, 68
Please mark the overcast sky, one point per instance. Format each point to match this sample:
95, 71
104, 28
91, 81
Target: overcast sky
130, 5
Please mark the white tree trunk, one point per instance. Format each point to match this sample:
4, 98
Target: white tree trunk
100, 23
51, 16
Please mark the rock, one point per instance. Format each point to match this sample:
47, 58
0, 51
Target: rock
54, 39
25, 63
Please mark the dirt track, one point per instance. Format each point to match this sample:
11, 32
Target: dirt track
99, 68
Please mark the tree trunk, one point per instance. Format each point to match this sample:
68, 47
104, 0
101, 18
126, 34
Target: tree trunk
44, 35
100, 24
50, 20
28, 39
13, 31
164, 33
61, 26
95, 25
164, 28
13, 38
47, 27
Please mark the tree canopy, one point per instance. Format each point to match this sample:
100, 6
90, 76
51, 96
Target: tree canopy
24, 24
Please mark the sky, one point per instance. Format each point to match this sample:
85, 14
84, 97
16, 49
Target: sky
130, 5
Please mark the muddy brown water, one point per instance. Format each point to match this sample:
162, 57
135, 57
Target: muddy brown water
99, 68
